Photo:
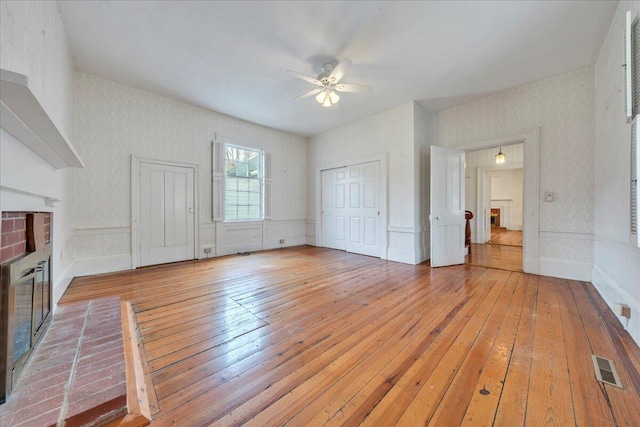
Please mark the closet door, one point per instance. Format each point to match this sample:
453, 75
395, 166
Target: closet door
334, 208
364, 210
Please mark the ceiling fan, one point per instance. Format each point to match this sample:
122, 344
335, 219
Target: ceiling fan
328, 83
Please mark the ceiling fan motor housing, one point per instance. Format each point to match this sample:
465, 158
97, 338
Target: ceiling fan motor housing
326, 70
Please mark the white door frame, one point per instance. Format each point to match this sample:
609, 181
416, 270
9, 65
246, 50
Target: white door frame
482, 175
382, 185
531, 203
135, 204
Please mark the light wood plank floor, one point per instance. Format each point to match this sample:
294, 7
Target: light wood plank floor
309, 336
502, 257
502, 236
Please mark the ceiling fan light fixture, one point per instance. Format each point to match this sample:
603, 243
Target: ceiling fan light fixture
500, 157
334, 97
327, 102
321, 96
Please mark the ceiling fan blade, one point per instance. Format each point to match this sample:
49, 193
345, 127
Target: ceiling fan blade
340, 70
352, 88
305, 78
310, 93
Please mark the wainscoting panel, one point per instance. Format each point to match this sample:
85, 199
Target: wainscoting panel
407, 244
293, 232
566, 255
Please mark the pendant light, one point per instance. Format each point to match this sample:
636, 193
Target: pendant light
500, 157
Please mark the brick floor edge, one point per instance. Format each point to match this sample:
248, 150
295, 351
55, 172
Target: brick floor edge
76, 376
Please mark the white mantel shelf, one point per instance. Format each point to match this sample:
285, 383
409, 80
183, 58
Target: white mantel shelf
23, 116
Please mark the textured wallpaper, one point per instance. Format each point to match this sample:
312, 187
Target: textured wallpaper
613, 134
33, 43
614, 255
114, 121
390, 131
563, 108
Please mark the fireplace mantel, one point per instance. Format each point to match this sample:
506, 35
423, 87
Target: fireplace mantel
26, 119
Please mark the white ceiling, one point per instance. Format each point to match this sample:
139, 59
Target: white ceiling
232, 57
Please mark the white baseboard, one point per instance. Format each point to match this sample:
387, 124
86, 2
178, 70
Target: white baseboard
234, 249
102, 264
289, 241
565, 269
203, 255
613, 293
530, 265
61, 285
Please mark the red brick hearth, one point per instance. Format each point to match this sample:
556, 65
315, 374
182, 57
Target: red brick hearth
76, 376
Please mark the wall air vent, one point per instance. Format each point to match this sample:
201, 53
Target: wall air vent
606, 371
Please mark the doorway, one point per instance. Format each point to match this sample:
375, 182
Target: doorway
521, 150
498, 241
164, 212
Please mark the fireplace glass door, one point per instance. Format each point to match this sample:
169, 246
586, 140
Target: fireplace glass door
23, 307
41, 300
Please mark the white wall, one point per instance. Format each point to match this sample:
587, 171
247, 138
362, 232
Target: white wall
114, 121
32, 42
424, 138
392, 133
506, 190
616, 273
563, 108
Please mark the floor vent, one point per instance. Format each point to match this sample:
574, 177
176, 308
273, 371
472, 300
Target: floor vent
606, 371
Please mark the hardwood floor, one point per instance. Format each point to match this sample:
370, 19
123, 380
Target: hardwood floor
502, 236
503, 257
309, 336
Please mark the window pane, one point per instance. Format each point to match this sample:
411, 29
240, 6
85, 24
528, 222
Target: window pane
243, 182
232, 184
254, 199
231, 198
242, 169
243, 198
254, 212
231, 212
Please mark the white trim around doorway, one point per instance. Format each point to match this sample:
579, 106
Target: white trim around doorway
383, 183
135, 204
531, 203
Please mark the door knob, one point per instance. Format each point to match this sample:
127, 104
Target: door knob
437, 217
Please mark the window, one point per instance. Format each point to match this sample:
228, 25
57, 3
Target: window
243, 183
632, 74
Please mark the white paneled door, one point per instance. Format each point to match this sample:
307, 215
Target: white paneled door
167, 212
334, 208
447, 206
350, 208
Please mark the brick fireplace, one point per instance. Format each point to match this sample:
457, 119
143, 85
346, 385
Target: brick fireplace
14, 234
25, 291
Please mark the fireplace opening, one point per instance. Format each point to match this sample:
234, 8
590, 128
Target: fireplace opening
25, 292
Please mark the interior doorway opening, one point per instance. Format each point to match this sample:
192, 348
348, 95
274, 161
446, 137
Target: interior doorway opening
494, 193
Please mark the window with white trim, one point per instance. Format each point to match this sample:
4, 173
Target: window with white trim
632, 77
243, 183
236, 174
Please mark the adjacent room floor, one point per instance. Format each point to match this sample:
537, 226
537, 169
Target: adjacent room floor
311, 336
503, 251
